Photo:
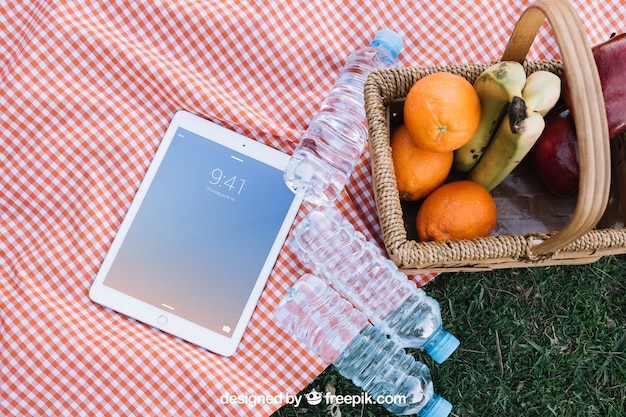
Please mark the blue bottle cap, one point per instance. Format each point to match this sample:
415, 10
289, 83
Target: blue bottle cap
388, 40
444, 347
436, 407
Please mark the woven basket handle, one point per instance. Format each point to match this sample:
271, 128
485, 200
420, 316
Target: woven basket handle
587, 108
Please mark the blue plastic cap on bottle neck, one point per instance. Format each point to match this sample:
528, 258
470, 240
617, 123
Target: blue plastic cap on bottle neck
443, 347
436, 407
389, 40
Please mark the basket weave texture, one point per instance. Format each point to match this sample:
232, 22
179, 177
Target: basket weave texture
580, 240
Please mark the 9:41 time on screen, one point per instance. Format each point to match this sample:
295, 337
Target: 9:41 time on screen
230, 182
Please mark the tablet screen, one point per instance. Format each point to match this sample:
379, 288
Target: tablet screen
201, 236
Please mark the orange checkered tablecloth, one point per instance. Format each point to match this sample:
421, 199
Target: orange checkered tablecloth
86, 91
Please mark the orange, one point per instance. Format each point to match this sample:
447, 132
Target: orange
418, 171
456, 210
442, 111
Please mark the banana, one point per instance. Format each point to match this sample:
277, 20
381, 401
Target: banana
542, 91
507, 150
519, 130
496, 87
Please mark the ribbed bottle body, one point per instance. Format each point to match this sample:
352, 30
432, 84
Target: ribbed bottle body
318, 317
327, 243
335, 139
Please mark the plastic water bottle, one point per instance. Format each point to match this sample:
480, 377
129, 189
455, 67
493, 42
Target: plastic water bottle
331, 248
335, 139
316, 315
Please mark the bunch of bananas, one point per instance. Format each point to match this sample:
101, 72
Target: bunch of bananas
513, 107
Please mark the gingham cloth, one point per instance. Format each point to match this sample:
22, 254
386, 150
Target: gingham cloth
86, 91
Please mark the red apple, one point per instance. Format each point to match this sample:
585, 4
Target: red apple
610, 58
555, 155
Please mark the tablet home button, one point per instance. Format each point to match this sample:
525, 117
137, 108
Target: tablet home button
162, 320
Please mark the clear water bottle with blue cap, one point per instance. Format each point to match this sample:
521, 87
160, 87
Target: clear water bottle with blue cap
335, 139
330, 247
318, 317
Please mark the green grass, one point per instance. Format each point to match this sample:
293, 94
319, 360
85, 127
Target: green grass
546, 341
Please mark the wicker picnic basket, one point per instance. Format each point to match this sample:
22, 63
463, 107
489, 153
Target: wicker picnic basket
575, 230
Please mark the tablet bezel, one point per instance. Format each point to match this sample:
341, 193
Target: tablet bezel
165, 320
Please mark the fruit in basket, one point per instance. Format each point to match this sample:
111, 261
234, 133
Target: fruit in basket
456, 210
555, 155
441, 111
418, 171
519, 130
610, 58
496, 87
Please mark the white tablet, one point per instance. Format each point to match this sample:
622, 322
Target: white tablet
202, 235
